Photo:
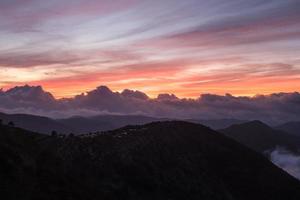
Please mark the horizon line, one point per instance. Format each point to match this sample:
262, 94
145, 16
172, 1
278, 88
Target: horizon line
57, 97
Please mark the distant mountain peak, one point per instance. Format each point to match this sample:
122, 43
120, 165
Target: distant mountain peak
292, 127
253, 124
257, 123
261, 137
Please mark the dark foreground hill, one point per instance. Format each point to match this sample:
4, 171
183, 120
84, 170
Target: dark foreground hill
260, 137
161, 160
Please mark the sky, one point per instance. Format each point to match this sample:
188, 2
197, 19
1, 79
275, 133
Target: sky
187, 48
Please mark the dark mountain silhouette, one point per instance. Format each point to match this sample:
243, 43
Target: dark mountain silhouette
104, 122
79, 125
261, 137
160, 160
35, 123
217, 123
76, 124
290, 127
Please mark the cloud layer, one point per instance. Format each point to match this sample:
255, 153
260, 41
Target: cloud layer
274, 108
286, 160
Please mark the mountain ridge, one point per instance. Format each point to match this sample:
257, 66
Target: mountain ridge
160, 160
261, 137
290, 127
82, 124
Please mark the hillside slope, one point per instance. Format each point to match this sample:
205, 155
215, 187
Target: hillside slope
260, 137
161, 160
290, 127
35, 123
81, 125
217, 123
76, 124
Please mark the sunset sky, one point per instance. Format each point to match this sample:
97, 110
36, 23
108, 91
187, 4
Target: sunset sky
186, 47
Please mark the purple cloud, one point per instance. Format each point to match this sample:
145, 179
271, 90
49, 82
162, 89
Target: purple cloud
274, 108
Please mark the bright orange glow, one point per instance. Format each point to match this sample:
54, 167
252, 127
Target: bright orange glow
171, 80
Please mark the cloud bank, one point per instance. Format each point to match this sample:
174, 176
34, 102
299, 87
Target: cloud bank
273, 109
286, 160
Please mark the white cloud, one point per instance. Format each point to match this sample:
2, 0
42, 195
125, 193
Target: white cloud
286, 160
